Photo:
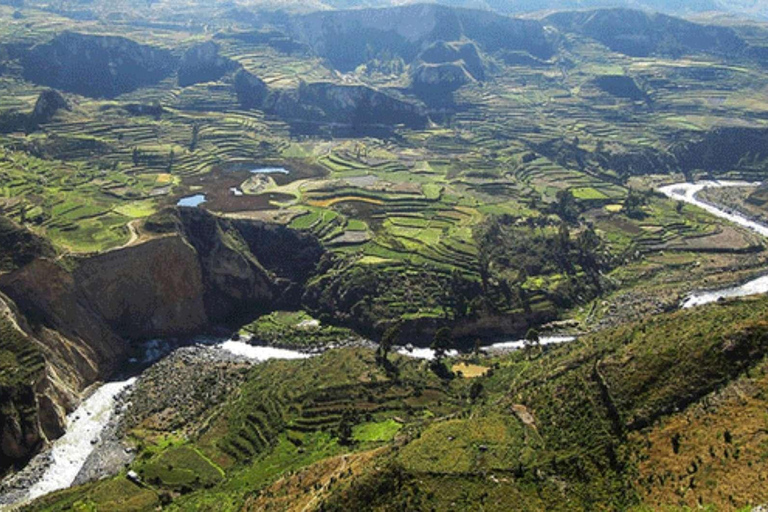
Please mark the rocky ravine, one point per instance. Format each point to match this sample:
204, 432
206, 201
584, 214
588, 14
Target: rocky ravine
198, 272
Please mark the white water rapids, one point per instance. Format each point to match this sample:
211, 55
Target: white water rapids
84, 426
71, 450
687, 192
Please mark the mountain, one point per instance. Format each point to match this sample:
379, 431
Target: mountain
87, 64
350, 38
748, 8
640, 34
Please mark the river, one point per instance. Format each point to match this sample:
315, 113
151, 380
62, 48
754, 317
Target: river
84, 426
687, 192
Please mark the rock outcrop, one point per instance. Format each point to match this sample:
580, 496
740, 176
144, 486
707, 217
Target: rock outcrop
250, 89
203, 63
461, 53
348, 38
48, 104
620, 86
444, 67
352, 105
96, 66
33, 398
640, 34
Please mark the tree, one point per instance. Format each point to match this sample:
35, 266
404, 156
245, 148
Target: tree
441, 342
565, 206
390, 338
195, 136
532, 338
633, 204
477, 347
475, 390
345, 427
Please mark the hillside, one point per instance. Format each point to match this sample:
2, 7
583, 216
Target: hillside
651, 414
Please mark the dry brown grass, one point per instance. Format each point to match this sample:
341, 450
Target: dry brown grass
470, 371
306, 489
722, 447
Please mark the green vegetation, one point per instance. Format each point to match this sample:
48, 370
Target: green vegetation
582, 426
295, 329
377, 432
179, 468
528, 144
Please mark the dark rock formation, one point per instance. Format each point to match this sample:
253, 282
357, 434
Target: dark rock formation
202, 63
621, 86
48, 104
444, 67
251, 90
640, 34
96, 66
357, 106
723, 149
463, 53
139, 109
19, 246
435, 80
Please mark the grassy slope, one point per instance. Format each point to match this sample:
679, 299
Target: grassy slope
668, 412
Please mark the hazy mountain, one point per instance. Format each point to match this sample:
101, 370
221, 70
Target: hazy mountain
756, 8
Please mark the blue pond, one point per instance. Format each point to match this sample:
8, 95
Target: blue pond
191, 201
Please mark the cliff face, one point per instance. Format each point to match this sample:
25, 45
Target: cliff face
250, 89
32, 396
348, 38
153, 289
352, 105
202, 63
639, 34
75, 324
96, 66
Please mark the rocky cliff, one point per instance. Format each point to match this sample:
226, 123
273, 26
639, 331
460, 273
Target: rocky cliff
77, 317
203, 63
639, 33
96, 66
348, 38
33, 394
353, 105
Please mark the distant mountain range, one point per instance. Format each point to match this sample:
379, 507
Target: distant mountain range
751, 8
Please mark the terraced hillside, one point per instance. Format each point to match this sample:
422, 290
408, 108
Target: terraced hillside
655, 414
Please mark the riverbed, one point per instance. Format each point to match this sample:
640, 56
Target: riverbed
58, 467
